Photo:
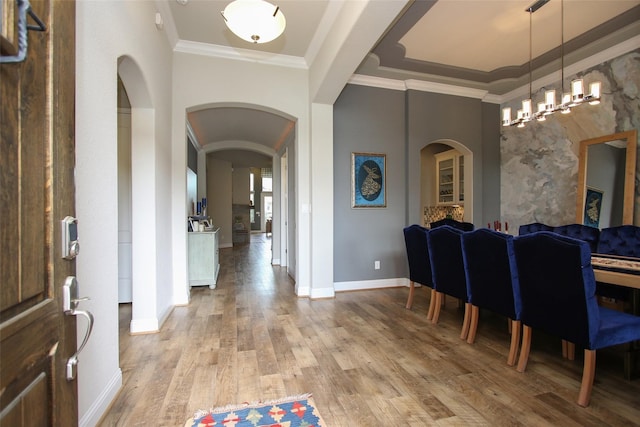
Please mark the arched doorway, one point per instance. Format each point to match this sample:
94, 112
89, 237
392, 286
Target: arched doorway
435, 200
137, 237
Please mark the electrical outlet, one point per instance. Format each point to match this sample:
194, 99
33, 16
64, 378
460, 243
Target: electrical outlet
376, 265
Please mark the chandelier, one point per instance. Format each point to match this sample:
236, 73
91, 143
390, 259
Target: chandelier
549, 106
255, 21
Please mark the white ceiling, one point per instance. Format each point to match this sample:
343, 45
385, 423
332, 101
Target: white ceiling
474, 43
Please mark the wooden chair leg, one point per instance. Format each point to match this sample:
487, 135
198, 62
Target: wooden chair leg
432, 304
515, 341
465, 323
412, 289
473, 326
436, 309
588, 374
571, 351
565, 352
524, 350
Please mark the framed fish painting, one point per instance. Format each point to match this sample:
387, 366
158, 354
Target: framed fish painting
368, 180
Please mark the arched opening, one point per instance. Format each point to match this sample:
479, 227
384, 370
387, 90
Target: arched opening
446, 181
136, 199
251, 132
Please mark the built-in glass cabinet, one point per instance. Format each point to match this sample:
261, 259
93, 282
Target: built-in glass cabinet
450, 178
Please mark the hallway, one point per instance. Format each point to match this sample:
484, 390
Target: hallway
366, 359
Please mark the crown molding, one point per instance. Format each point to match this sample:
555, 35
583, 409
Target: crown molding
379, 82
446, 89
239, 54
420, 85
449, 89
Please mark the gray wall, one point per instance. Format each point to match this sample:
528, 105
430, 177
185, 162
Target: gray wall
432, 117
490, 166
369, 120
400, 124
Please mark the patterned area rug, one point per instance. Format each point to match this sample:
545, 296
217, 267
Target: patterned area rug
294, 411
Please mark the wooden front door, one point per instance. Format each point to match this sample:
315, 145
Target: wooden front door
36, 193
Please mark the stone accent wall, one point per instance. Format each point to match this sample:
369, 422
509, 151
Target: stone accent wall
539, 164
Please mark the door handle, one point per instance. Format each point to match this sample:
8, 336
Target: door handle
70, 303
24, 9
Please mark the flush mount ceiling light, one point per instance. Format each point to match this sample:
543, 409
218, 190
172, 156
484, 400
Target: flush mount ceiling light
549, 106
255, 21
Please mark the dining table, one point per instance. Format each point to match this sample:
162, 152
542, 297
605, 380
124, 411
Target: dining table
622, 271
616, 270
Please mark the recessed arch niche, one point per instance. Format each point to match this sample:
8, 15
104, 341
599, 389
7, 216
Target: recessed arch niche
430, 210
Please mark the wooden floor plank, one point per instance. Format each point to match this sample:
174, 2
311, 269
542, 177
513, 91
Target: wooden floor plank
367, 360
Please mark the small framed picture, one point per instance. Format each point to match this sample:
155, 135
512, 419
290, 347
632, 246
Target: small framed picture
206, 223
368, 180
592, 207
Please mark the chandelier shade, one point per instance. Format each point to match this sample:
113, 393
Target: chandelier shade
549, 106
255, 21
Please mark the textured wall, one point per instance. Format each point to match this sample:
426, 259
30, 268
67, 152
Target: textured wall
539, 164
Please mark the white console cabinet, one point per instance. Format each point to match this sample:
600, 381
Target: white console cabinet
204, 262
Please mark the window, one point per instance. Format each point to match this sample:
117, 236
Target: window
267, 179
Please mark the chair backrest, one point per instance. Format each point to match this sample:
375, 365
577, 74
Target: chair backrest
447, 266
491, 272
415, 239
591, 235
460, 225
557, 286
623, 240
533, 227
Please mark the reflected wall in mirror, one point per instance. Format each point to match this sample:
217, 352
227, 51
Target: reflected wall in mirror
606, 180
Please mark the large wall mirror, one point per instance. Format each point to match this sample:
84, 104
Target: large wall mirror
606, 180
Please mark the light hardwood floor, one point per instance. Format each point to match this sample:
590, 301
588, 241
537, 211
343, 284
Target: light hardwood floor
366, 359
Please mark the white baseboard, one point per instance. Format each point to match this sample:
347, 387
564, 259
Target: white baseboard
360, 285
302, 291
144, 326
102, 403
275, 261
322, 293
225, 245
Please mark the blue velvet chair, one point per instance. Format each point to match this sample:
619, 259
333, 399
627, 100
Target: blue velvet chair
460, 225
447, 268
492, 281
557, 288
415, 239
623, 240
533, 227
591, 235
